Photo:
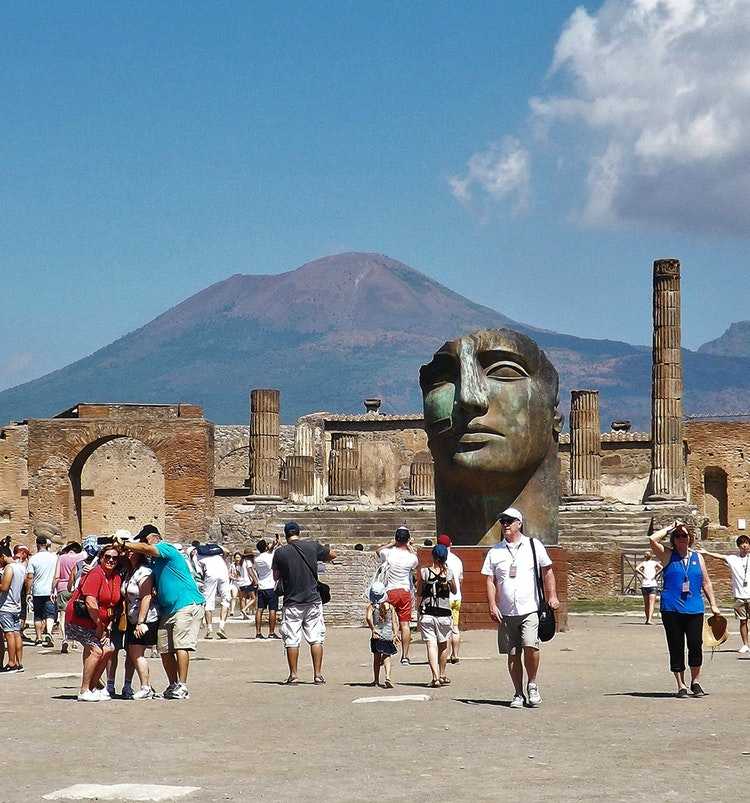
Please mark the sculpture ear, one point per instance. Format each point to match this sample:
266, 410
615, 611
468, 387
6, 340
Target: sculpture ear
557, 422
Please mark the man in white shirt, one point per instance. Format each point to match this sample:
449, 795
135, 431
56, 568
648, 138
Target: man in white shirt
400, 562
738, 566
512, 598
268, 599
210, 560
455, 564
40, 575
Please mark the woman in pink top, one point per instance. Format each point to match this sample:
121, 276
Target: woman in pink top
67, 558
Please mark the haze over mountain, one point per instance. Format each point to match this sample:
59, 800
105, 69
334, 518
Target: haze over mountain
331, 333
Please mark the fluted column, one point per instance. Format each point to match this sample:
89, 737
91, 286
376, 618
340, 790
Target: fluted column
264, 443
667, 458
343, 467
585, 445
422, 477
301, 474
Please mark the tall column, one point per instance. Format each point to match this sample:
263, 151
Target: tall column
585, 446
667, 458
264, 443
301, 471
343, 467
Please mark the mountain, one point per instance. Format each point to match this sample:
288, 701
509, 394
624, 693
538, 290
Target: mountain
331, 333
735, 342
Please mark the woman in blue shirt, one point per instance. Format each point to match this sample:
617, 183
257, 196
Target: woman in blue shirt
682, 609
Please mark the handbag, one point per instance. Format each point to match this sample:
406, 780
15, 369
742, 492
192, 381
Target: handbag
547, 624
323, 589
80, 608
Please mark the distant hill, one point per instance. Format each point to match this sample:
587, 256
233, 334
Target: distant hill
331, 333
735, 342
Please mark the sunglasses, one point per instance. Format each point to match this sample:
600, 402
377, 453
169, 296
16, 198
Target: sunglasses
506, 522
110, 557
680, 535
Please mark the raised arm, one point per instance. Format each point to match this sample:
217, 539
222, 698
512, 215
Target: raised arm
662, 552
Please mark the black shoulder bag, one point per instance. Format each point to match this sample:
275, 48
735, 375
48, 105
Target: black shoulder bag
323, 589
547, 623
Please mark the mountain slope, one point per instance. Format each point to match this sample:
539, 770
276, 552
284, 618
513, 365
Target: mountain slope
735, 342
329, 334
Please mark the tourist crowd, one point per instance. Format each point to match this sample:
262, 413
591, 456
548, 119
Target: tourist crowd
138, 594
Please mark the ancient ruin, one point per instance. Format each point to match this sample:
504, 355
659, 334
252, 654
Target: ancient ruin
585, 447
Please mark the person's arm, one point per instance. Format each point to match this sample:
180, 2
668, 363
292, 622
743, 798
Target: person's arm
147, 592
492, 599
6, 579
386, 545
716, 555
550, 588
708, 588
369, 621
639, 570
137, 546
394, 624
418, 589
663, 552
72, 577
56, 577
452, 584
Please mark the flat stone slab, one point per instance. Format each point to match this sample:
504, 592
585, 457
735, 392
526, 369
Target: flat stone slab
396, 698
121, 791
57, 675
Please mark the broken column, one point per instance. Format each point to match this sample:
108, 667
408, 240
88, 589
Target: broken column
343, 467
301, 472
422, 477
667, 458
585, 446
264, 443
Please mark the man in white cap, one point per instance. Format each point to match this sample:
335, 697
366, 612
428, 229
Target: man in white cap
512, 598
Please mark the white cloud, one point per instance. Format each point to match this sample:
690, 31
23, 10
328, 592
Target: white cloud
659, 90
501, 172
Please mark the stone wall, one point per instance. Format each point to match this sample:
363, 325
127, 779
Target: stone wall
722, 445
14, 482
231, 455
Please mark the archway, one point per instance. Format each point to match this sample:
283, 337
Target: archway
117, 483
715, 495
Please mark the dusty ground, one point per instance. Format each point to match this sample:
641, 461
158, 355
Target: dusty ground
609, 727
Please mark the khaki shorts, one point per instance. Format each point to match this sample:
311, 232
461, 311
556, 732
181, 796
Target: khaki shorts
515, 632
742, 609
180, 630
455, 615
435, 628
304, 620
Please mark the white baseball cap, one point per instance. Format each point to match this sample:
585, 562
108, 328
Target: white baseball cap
511, 513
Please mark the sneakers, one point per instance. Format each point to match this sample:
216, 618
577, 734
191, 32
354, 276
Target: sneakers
535, 698
144, 693
209, 634
274, 635
518, 701
178, 691
169, 691
47, 641
220, 633
743, 649
697, 690
405, 661
682, 694
64, 648
89, 696
127, 693
103, 695
6, 670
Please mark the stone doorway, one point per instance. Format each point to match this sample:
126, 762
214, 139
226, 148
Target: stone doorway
715, 504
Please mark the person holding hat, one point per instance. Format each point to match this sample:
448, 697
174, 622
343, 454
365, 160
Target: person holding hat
434, 586
382, 620
456, 565
513, 601
400, 561
296, 565
738, 566
682, 609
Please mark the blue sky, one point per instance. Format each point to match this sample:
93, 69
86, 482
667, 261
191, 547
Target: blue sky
534, 157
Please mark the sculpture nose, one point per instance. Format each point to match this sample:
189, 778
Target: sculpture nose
472, 392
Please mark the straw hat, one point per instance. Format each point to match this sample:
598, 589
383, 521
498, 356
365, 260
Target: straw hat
715, 631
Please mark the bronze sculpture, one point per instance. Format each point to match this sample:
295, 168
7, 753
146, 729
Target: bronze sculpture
490, 409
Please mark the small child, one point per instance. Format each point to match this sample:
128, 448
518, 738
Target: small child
383, 623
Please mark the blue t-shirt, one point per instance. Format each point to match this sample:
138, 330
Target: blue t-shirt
673, 598
175, 586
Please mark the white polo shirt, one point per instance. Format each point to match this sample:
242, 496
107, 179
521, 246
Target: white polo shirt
400, 562
516, 596
740, 568
456, 565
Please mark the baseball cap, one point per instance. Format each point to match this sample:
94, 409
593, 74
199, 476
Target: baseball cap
402, 534
511, 513
291, 528
445, 540
148, 529
377, 593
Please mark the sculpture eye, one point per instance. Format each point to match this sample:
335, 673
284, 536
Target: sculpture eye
506, 371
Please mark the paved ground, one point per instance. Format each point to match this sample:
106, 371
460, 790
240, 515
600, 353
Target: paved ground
609, 728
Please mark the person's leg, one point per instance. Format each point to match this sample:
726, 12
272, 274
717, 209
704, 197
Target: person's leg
165, 645
316, 651
90, 657
38, 626
19, 647
258, 620
272, 616
432, 658
183, 665
137, 661
651, 606
515, 670
743, 631
442, 656
292, 658
376, 668
169, 662
386, 660
404, 627
675, 636
209, 616
694, 638
112, 671
101, 664
531, 663
10, 643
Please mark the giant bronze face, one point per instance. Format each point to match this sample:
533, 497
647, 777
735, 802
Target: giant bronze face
490, 413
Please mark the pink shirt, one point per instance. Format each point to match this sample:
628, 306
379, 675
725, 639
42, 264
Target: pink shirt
65, 564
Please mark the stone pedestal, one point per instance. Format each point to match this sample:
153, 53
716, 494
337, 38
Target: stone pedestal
264, 445
343, 468
585, 447
668, 461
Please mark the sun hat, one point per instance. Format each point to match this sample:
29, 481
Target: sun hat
445, 540
21, 548
715, 631
126, 535
91, 546
377, 593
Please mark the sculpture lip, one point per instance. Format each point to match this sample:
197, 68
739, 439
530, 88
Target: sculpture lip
480, 436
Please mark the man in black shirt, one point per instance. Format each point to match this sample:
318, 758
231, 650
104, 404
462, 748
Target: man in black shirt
296, 566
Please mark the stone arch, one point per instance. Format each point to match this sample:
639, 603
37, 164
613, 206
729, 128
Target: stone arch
715, 497
117, 482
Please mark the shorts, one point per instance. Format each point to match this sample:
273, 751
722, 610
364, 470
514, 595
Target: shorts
268, 598
117, 638
648, 591
147, 640
742, 609
515, 632
435, 628
10, 622
304, 620
455, 615
83, 635
382, 646
400, 598
248, 589
44, 608
179, 631
62, 600
213, 587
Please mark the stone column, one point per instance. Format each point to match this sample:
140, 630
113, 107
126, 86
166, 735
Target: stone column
343, 467
585, 446
422, 477
264, 443
301, 473
667, 458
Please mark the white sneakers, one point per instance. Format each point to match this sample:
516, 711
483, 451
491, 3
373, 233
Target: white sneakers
144, 693
176, 691
89, 696
743, 649
518, 701
534, 697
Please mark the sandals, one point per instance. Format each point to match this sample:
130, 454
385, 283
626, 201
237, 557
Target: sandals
319, 680
292, 680
435, 684
388, 684
445, 682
